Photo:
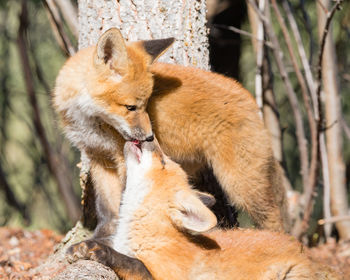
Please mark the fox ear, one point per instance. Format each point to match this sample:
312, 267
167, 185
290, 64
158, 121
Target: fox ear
191, 214
111, 49
155, 48
207, 199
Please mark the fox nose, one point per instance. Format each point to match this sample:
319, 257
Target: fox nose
150, 138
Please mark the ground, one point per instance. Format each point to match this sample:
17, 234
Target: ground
21, 250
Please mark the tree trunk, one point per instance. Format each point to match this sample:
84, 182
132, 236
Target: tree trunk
339, 202
150, 19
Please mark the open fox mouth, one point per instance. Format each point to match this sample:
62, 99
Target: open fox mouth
137, 149
137, 143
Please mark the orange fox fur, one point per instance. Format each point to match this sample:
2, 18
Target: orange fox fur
167, 226
200, 118
163, 223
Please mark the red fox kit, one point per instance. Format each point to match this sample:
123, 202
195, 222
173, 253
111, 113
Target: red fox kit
108, 93
164, 223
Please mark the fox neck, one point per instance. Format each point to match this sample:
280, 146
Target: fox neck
137, 188
164, 250
144, 234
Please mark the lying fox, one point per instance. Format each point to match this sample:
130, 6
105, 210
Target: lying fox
108, 93
165, 223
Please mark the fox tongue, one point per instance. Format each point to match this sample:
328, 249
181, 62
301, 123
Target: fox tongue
137, 143
138, 151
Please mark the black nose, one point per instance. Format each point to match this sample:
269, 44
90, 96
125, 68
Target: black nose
150, 138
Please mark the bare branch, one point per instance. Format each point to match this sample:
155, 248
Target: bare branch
309, 189
308, 27
245, 33
302, 142
333, 220
327, 71
319, 150
259, 61
321, 52
312, 123
325, 10
301, 50
326, 185
58, 27
70, 15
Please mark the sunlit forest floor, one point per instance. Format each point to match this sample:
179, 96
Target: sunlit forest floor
21, 250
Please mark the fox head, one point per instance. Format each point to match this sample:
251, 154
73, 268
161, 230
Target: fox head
123, 83
169, 196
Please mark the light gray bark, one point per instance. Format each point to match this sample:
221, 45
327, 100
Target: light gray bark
150, 19
339, 203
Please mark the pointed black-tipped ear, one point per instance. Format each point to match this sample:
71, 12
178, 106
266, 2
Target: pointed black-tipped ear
155, 48
111, 48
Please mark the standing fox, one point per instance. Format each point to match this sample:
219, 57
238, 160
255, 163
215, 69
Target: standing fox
164, 223
108, 93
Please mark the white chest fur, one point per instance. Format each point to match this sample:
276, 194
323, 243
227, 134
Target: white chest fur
137, 187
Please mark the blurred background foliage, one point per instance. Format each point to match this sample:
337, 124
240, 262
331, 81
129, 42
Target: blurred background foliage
29, 196
341, 32
37, 202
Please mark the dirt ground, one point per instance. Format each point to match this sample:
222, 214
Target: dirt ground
21, 250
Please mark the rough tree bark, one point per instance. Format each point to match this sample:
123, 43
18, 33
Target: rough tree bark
138, 20
152, 19
339, 203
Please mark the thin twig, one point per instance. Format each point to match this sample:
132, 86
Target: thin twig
300, 133
320, 54
70, 15
315, 138
322, 6
259, 61
333, 220
243, 32
312, 123
326, 184
309, 189
301, 50
319, 120
57, 24
308, 27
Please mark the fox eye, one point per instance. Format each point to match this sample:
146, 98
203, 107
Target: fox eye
130, 107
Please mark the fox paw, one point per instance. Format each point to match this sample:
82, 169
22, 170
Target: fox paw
87, 250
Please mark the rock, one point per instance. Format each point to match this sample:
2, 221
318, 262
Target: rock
86, 270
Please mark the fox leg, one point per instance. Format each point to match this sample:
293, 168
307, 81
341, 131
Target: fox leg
108, 179
248, 184
108, 184
125, 267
